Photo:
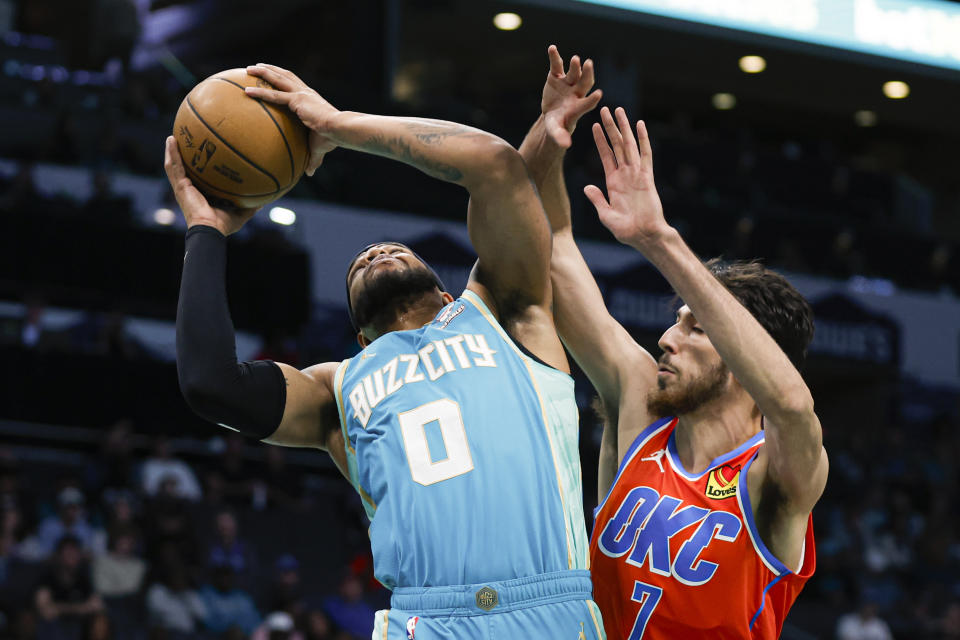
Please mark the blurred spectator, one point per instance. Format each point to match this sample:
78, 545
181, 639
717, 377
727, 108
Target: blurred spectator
117, 341
112, 470
138, 102
348, 609
101, 333
277, 626
13, 494
949, 625
167, 524
863, 625
21, 193
232, 470
11, 534
286, 591
742, 246
278, 487
163, 467
70, 519
65, 598
227, 548
99, 628
106, 206
317, 626
279, 348
119, 572
227, 606
939, 267
119, 516
33, 335
66, 147
172, 605
115, 26
845, 258
213, 498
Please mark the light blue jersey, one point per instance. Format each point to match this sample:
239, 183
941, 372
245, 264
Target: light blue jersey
464, 451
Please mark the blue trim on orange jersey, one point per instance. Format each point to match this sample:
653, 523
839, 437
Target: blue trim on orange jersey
716, 462
641, 438
763, 599
743, 497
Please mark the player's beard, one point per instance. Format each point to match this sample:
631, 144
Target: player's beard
389, 293
679, 399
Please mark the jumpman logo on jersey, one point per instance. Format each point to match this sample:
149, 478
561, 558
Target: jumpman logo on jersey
656, 456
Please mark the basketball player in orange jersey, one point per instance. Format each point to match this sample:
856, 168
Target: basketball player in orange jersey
712, 456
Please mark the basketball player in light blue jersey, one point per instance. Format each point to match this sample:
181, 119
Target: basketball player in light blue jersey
456, 423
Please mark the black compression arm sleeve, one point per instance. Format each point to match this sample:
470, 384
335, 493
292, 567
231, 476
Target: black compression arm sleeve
248, 397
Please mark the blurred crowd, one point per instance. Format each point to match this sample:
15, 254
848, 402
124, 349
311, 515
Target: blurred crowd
144, 544
803, 202
888, 532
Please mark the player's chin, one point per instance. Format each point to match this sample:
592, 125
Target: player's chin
384, 269
665, 379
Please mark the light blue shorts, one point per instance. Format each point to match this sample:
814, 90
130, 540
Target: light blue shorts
550, 606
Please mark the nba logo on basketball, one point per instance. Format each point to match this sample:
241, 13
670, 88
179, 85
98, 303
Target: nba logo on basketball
412, 627
722, 482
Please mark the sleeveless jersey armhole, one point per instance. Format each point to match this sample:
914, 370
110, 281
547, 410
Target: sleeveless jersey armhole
635, 446
773, 563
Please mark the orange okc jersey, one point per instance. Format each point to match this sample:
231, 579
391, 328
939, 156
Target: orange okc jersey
677, 555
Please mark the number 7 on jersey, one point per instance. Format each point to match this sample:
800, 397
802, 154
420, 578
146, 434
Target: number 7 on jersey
648, 596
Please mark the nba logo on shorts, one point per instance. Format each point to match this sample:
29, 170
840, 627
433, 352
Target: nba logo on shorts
412, 627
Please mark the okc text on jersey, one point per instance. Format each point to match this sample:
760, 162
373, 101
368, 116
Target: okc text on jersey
644, 523
434, 360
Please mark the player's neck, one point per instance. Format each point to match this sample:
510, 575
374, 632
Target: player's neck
415, 315
717, 427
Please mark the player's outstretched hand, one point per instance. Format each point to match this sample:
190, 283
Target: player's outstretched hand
307, 104
566, 96
194, 205
632, 209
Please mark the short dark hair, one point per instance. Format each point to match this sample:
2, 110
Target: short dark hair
772, 300
67, 540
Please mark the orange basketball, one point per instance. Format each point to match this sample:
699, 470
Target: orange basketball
238, 150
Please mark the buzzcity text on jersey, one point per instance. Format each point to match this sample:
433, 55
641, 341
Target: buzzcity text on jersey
464, 450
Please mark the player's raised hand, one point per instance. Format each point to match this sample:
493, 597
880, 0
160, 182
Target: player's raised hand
566, 96
285, 88
196, 209
632, 209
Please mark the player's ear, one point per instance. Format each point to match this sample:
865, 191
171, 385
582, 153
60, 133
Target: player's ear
362, 340
447, 298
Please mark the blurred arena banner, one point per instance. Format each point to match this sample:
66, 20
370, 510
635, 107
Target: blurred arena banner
864, 322
846, 329
921, 31
639, 297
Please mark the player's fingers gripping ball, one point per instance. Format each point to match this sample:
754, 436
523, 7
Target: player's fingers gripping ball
240, 152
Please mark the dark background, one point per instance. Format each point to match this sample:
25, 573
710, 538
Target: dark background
786, 176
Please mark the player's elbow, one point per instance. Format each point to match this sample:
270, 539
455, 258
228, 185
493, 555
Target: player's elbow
498, 165
201, 396
205, 393
793, 406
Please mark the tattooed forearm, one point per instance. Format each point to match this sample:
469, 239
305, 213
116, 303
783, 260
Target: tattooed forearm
433, 132
399, 149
